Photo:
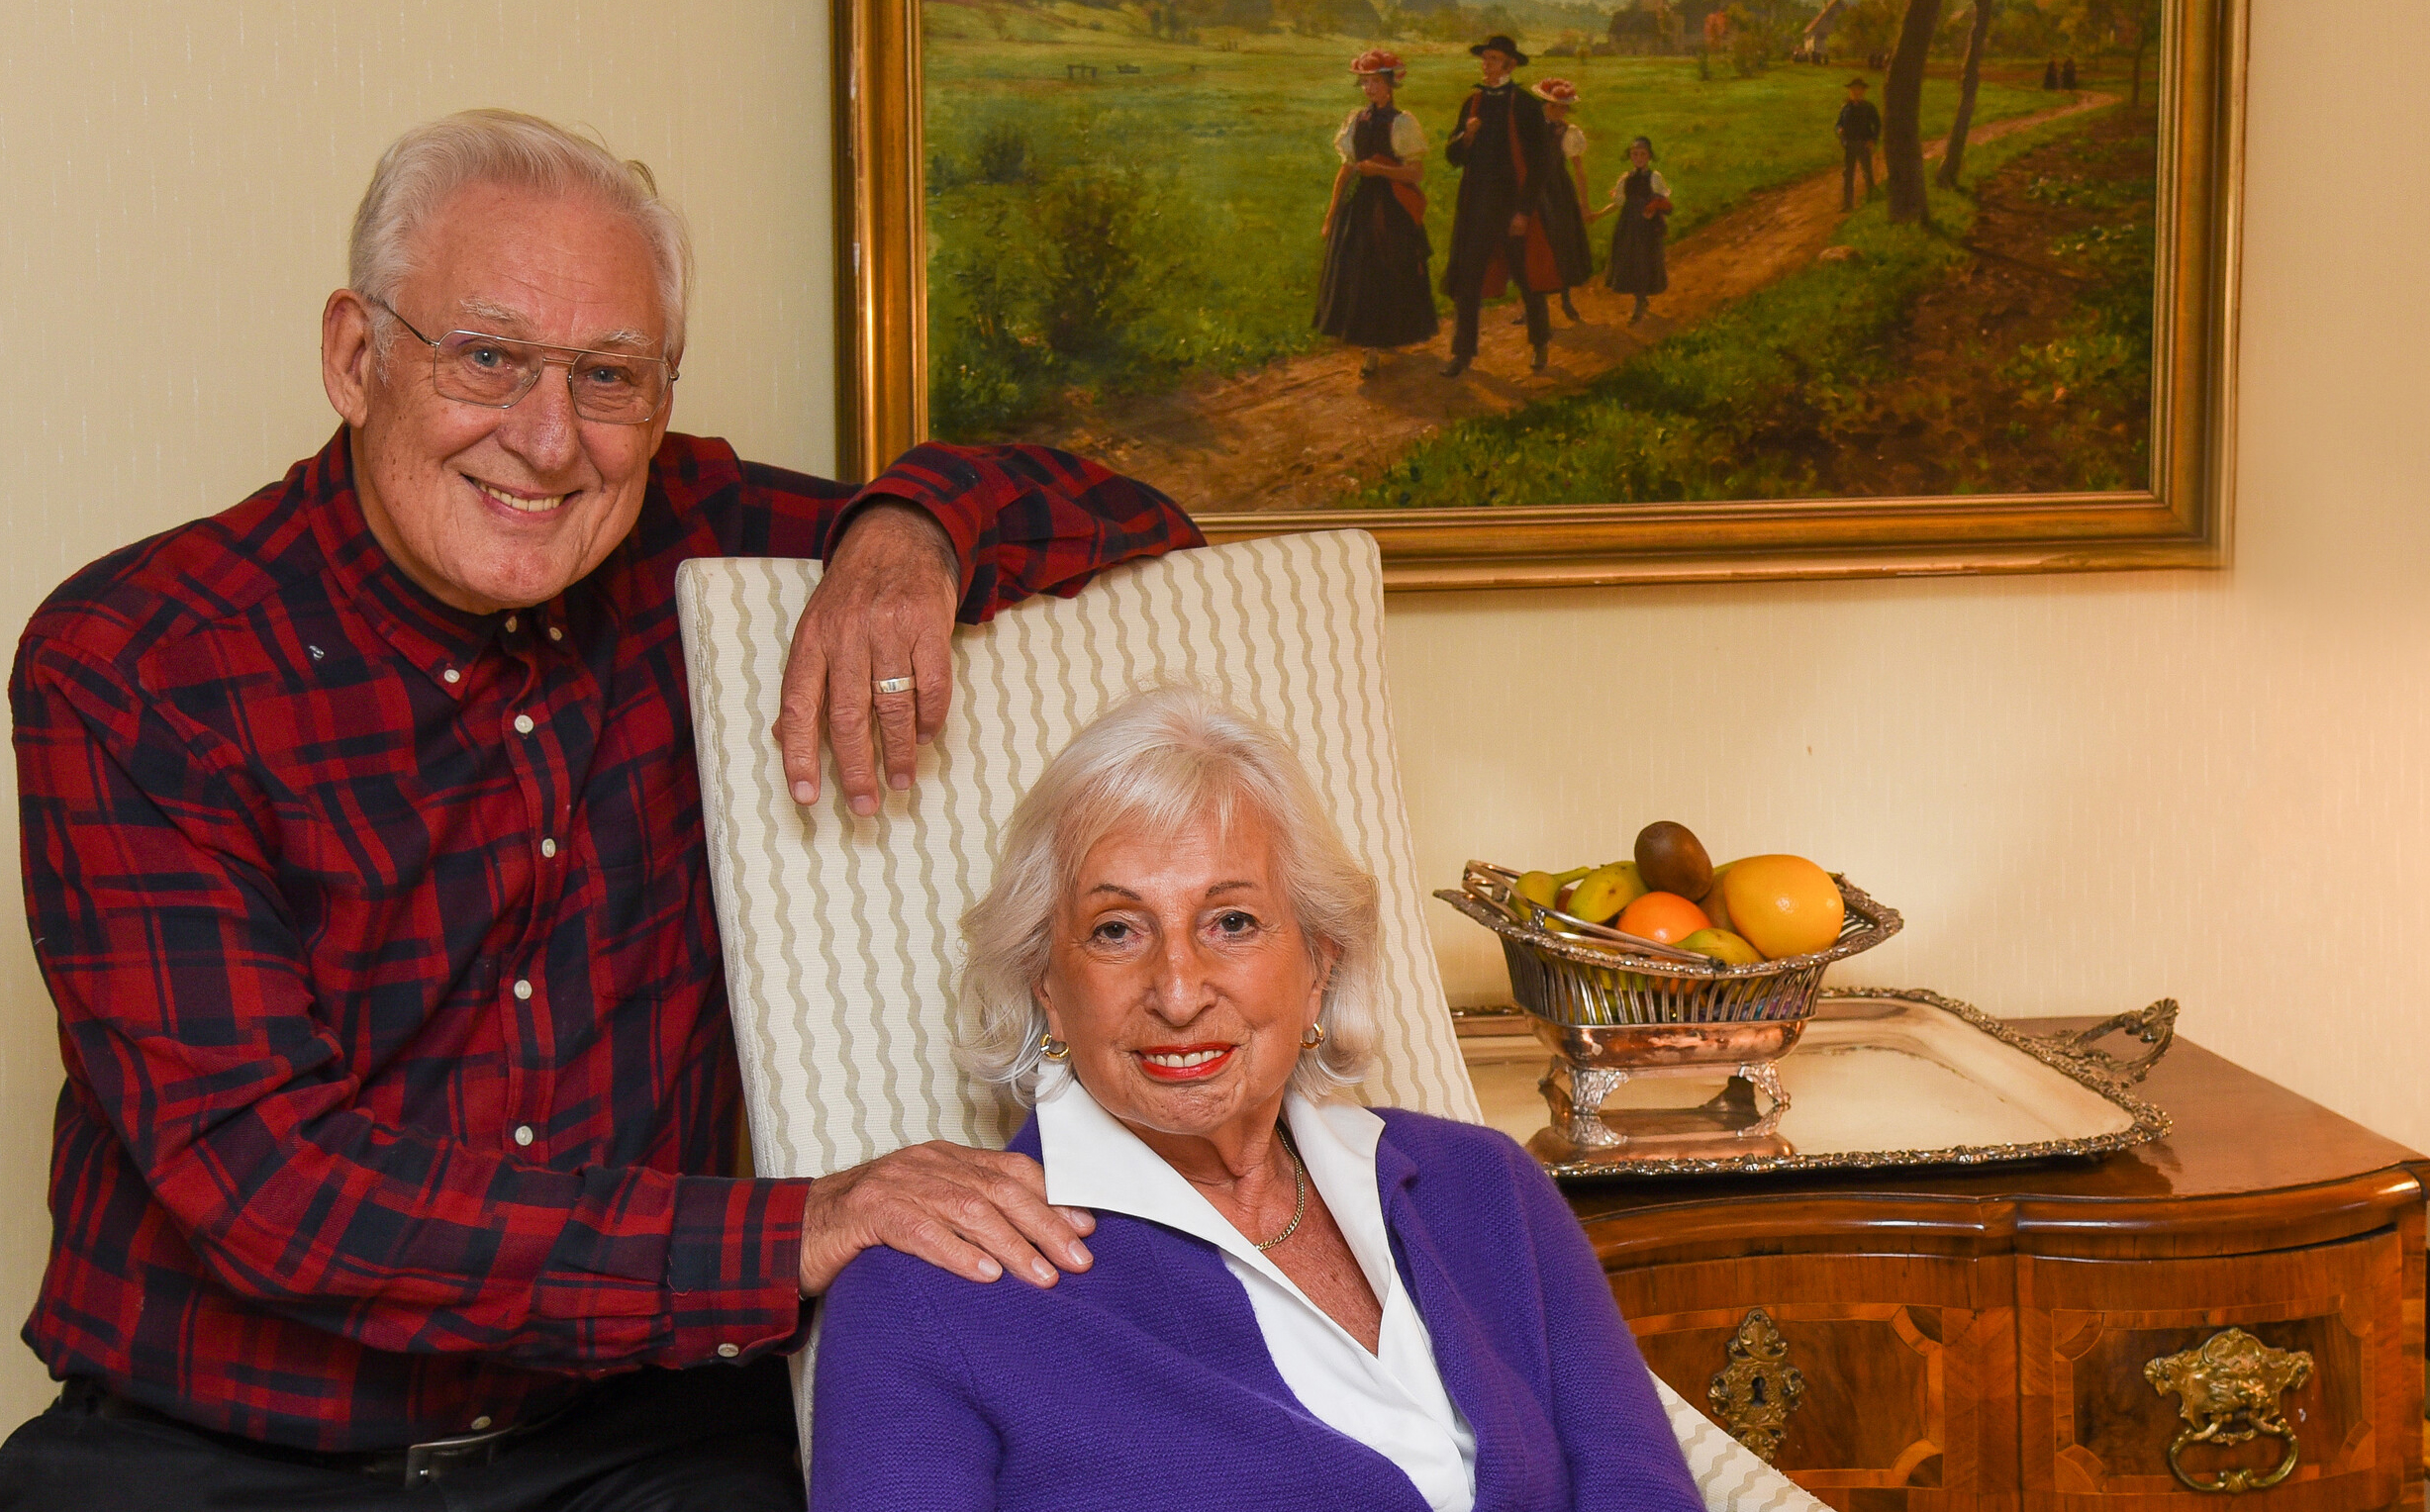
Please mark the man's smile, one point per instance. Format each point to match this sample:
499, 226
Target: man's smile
527, 503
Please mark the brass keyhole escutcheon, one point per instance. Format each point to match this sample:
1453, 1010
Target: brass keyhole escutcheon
1754, 1392
2228, 1389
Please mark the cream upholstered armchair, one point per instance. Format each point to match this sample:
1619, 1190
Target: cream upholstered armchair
841, 934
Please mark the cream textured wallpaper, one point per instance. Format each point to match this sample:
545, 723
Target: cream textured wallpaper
2084, 792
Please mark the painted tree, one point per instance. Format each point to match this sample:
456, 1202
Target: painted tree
1902, 95
2129, 27
2138, 24
1978, 38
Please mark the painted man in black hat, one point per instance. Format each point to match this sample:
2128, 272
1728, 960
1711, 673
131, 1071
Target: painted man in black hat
1860, 126
1509, 158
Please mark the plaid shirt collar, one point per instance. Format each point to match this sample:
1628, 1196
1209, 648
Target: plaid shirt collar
435, 636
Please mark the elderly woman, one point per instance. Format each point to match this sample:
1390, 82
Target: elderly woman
1295, 1302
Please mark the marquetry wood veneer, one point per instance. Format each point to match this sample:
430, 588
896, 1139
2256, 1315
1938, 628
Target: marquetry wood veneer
1978, 1341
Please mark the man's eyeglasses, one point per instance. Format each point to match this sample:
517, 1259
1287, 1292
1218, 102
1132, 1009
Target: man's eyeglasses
475, 368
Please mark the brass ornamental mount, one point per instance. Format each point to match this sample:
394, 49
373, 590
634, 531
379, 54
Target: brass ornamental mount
1757, 1391
2228, 1388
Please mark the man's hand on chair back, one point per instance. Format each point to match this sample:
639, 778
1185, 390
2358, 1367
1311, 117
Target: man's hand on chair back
872, 665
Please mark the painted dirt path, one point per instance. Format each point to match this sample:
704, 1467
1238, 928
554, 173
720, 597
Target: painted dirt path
1298, 434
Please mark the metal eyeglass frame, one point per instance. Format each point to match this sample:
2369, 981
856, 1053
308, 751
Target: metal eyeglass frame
546, 361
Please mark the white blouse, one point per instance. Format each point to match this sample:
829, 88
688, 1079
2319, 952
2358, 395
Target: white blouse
1393, 1400
1572, 141
1409, 137
1660, 185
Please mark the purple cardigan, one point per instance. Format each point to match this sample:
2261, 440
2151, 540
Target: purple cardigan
1144, 1385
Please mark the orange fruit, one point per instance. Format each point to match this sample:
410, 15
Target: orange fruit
1664, 916
1782, 905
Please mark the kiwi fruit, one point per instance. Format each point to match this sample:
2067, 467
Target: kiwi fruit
1672, 859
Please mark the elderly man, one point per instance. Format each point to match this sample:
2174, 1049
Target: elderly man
364, 862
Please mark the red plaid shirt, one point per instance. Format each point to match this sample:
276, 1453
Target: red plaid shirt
400, 1083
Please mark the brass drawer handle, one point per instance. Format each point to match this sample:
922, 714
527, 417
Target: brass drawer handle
1757, 1388
2228, 1388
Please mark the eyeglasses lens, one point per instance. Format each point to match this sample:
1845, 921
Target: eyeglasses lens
492, 370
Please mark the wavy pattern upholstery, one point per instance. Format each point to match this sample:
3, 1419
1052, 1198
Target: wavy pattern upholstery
841, 934
1728, 1472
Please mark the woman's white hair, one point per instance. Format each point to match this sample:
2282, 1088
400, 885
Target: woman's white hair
1159, 761
434, 160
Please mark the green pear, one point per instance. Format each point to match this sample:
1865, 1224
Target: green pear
1601, 894
1722, 946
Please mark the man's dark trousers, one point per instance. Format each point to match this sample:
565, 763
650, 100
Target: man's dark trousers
1466, 304
1858, 152
712, 1439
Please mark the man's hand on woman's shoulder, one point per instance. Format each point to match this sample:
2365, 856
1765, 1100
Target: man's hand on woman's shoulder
978, 1213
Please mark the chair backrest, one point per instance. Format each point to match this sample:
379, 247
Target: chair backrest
841, 934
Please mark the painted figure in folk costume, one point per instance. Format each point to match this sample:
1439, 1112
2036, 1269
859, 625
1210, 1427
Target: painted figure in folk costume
1560, 98
1643, 199
1504, 226
1859, 127
1374, 290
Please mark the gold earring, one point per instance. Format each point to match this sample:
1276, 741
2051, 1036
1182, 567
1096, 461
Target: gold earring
1054, 1049
1315, 1030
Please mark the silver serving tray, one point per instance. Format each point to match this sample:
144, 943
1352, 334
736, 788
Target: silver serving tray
1884, 1078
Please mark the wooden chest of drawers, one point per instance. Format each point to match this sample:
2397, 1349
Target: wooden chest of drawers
2032, 1339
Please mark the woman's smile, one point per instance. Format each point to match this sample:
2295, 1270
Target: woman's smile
1184, 1063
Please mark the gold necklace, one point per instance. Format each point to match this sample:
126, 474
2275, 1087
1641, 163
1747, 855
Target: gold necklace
1298, 1176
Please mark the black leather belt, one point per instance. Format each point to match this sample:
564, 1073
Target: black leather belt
412, 1465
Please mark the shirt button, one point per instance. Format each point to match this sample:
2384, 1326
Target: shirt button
523, 725
523, 1134
510, 622
479, 1423
548, 847
555, 632
728, 1351
523, 990
452, 676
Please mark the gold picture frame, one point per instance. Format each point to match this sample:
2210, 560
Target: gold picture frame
2183, 522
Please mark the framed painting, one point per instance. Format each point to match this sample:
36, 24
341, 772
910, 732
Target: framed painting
1547, 292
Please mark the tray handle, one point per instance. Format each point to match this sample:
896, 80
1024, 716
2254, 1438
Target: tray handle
2154, 1025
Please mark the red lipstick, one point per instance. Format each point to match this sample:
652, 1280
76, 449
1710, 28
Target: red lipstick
1219, 1056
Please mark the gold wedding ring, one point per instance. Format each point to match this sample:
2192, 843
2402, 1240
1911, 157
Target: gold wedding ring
895, 684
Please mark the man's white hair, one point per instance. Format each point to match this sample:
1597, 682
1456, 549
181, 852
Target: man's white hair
433, 160
1159, 761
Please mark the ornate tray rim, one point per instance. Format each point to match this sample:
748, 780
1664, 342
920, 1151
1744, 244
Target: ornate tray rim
2073, 1056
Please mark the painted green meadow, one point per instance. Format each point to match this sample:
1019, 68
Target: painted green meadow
1872, 373
1158, 220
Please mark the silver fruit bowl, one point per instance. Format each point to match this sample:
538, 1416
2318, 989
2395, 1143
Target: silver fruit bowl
1612, 1007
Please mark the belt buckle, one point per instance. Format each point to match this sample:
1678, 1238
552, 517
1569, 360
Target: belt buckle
427, 1462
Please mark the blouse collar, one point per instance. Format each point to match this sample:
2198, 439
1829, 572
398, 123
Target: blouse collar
1094, 1161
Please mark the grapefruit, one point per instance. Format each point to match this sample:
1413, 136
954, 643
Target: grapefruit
1782, 905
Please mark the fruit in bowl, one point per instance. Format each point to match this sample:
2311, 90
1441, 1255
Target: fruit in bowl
1664, 916
1739, 913
1724, 946
1784, 906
